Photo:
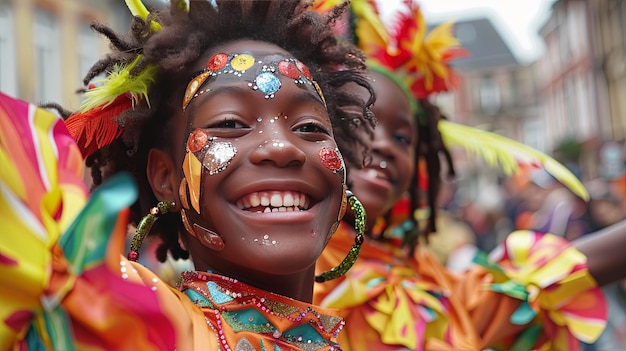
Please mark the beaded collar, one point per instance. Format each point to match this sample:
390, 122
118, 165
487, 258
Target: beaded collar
245, 318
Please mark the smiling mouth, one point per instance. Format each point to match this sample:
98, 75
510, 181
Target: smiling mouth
376, 173
274, 201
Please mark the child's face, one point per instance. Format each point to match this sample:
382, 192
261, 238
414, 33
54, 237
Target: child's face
388, 176
268, 174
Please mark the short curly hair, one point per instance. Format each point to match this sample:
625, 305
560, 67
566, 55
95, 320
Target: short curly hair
188, 32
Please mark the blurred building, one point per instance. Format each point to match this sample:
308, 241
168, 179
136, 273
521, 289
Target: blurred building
570, 106
498, 93
582, 81
608, 27
46, 46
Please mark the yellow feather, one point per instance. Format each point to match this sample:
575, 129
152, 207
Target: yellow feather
137, 8
498, 150
369, 28
120, 82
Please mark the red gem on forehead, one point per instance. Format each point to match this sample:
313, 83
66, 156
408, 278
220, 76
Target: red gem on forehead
288, 69
216, 62
330, 158
304, 69
197, 140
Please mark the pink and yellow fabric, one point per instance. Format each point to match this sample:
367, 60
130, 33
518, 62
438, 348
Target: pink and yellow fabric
59, 250
557, 294
533, 293
65, 286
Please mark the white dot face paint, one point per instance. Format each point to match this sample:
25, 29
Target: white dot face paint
265, 241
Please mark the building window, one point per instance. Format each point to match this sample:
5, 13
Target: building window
489, 96
47, 57
88, 49
8, 67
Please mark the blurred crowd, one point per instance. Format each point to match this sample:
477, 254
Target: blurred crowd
484, 212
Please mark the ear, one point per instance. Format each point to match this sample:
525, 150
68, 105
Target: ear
163, 177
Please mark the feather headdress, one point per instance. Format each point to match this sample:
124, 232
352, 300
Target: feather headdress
97, 124
418, 61
420, 58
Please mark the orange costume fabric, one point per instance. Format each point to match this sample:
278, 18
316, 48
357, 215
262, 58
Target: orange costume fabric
532, 293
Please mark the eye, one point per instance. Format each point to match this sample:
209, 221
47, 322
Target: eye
312, 127
402, 139
228, 124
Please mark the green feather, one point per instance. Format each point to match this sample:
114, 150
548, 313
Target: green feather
500, 151
120, 81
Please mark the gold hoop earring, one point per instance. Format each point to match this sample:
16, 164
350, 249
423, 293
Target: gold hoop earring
144, 226
360, 218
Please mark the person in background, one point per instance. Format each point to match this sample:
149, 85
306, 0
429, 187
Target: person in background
398, 296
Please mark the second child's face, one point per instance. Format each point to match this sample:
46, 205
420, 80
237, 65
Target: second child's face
268, 175
388, 176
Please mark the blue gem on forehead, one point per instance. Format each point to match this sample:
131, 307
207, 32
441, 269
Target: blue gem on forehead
268, 83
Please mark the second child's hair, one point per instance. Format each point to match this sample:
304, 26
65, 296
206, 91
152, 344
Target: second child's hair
185, 35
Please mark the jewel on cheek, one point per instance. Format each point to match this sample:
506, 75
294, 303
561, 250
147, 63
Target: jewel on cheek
331, 159
218, 156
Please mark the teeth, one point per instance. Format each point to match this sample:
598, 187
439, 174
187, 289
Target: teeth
246, 202
255, 200
296, 200
275, 201
288, 200
265, 200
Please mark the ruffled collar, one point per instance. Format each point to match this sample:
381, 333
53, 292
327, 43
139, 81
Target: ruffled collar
247, 318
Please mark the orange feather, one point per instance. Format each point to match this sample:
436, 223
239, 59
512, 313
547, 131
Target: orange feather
96, 128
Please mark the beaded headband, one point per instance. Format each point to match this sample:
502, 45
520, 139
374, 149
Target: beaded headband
266, 79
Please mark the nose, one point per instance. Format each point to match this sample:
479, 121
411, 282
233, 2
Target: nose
382, 144
279, 152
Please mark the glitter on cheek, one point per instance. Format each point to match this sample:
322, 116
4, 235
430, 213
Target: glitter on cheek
218, 156
331, 159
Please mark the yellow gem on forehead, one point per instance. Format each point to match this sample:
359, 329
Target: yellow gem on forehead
242, 62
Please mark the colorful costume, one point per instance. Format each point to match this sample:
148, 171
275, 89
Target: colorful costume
64, 284
534, 292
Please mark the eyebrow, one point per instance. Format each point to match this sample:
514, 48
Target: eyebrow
224, 89
308, 96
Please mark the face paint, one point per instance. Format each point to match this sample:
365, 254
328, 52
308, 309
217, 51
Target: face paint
266, 241
266, 79
331, 159
217, 154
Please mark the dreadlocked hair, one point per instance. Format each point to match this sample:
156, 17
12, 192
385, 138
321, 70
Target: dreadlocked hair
430, 148
185, 35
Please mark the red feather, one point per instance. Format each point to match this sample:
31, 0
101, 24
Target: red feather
96, 128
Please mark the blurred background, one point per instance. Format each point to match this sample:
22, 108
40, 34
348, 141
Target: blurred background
548, 73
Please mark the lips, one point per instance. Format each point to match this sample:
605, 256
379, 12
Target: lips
374, 171
274, 201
